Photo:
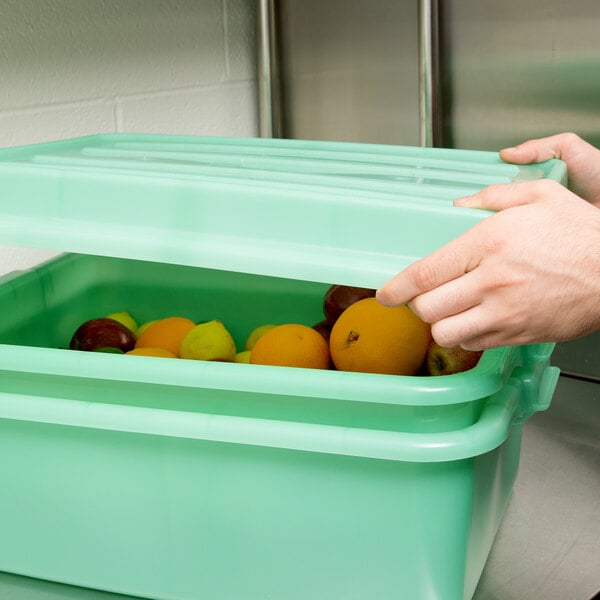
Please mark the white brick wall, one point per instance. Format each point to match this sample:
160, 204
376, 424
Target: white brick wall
76, 67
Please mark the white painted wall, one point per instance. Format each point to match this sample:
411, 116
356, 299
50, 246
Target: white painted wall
76, 67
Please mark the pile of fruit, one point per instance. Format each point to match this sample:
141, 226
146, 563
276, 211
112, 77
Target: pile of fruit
357, 334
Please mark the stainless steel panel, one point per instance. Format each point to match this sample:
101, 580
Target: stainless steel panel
349, 70
509, 71
513, 71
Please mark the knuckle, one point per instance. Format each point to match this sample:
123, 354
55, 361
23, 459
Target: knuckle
498, 196
495, 188
493, 244
569, 138
493, 191
425, 275
496, 280
543, 187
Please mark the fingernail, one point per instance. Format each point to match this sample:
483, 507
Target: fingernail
464, 201
378, 295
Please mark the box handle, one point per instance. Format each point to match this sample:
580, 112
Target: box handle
548, 383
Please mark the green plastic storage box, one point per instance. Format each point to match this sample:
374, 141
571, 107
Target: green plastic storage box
192, 480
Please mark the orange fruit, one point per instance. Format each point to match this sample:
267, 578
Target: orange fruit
291, 345
147, 351
371, 338
165, 333
255, 334
144, 326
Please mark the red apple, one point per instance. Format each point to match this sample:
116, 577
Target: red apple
446, 361
103, 334
339, 297
324, 328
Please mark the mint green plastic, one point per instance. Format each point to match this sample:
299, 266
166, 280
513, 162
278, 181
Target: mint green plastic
192, 480
177, 479
318, 211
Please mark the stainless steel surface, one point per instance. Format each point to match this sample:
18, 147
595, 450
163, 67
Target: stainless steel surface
513, 70
580, 357
507, 71
350, 70
429, 84
548, 546
269, 102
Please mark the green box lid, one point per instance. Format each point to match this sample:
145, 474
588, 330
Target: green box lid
332, 212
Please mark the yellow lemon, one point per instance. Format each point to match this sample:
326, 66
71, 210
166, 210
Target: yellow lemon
208, 341
242, 357
125, 319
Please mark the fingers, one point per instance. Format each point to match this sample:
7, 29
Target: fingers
483, 342
507, 195
468, 328
494, 339
541, 149
530, 152
566, 146
445, 264
451, 298
476, 329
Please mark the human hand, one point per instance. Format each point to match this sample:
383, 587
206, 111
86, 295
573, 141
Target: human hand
582, 160
528, 274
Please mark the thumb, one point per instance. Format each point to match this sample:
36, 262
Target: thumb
526, 154
534, 151
501, 196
